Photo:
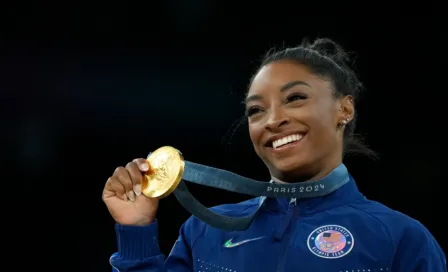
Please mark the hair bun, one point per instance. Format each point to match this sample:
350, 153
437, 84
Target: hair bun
330, 49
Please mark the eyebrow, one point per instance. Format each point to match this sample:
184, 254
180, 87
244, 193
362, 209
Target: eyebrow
284, 88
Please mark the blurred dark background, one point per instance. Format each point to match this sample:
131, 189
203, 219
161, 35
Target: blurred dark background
86, 88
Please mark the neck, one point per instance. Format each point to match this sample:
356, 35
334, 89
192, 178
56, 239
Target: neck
310, 173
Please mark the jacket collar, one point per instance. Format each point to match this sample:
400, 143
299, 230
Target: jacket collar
345, 194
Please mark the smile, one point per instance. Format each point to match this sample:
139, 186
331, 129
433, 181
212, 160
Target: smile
287, 140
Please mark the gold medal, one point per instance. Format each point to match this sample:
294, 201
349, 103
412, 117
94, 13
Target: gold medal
166, 167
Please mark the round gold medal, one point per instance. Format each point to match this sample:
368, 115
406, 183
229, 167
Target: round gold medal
166, 167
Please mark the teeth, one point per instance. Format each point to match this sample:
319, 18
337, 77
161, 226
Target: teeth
286, 140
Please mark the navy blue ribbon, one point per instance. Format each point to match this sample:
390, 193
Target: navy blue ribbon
218, 178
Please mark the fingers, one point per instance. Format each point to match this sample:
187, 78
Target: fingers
114, 188
126, 182
136, 177
124, 177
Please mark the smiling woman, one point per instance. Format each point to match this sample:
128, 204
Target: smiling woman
301, 114
307, 91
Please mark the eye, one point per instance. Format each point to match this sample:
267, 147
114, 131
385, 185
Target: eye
295, 96
252, 110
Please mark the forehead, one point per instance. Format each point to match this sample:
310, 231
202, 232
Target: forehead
277, 74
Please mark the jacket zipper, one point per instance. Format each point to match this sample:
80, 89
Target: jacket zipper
292, 216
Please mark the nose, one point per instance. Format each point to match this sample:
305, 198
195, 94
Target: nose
276, 120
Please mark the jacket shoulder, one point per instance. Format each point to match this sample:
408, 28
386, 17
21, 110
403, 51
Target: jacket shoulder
396, 223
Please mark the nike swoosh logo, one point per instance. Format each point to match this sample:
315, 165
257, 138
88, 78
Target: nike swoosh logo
230, 244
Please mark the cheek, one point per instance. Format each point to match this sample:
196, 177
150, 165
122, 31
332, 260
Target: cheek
254, 133
323, 127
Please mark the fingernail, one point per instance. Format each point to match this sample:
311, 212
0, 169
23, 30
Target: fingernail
131, 195
137, 189
144, 167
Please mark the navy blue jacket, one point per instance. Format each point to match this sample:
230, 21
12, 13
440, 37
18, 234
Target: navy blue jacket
342, 231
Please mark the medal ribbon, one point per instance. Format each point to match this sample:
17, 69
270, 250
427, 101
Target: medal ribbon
221, 179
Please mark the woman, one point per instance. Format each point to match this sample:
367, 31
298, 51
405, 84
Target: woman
301, 113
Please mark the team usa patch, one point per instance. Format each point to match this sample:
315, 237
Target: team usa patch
330, 242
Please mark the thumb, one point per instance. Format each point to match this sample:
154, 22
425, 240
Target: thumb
143, 164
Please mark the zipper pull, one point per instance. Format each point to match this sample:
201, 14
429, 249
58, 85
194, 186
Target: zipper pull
293, 202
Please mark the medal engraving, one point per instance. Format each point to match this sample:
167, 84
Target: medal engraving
166, 170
